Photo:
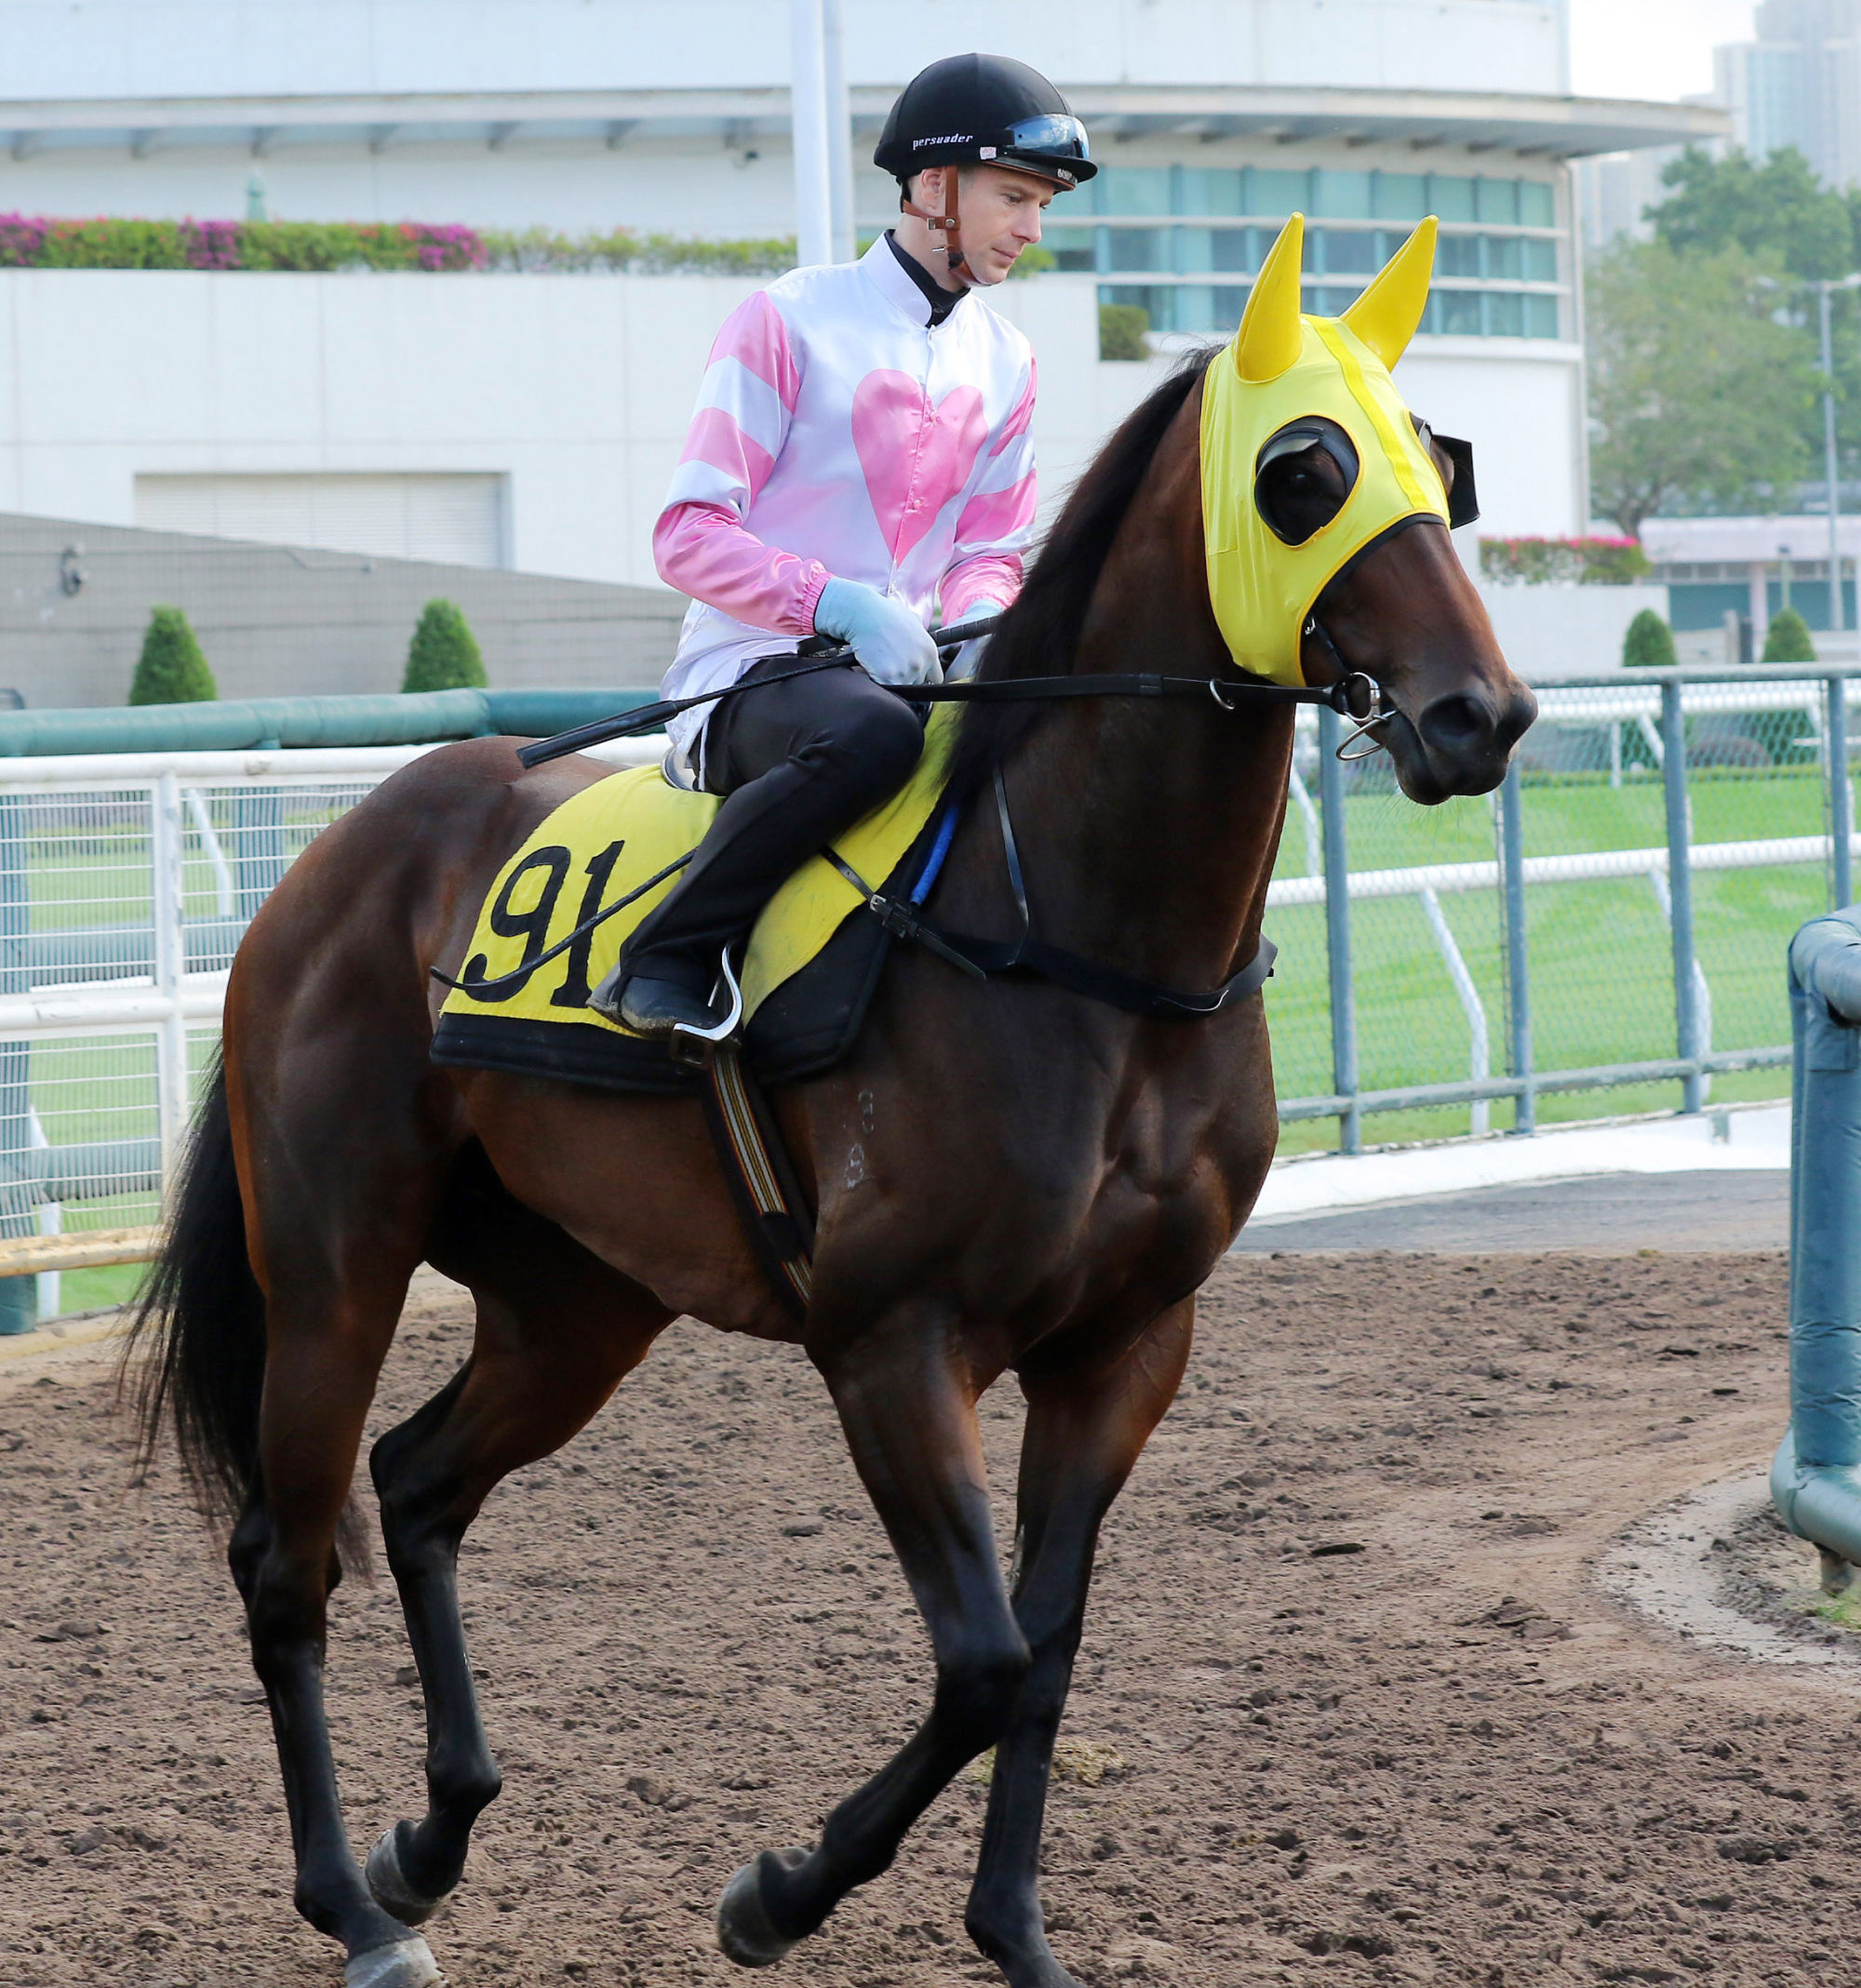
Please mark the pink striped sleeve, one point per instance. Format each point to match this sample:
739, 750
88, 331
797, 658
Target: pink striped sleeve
755, 336
703, 551
700, 544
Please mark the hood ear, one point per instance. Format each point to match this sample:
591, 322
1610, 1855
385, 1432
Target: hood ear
1272, 335
1389, 313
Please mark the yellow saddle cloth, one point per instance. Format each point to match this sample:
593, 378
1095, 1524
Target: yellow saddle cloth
612, 837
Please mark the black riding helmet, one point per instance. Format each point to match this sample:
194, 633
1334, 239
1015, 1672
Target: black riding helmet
983, 110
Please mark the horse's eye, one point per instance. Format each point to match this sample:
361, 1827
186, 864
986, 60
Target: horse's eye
1302, 477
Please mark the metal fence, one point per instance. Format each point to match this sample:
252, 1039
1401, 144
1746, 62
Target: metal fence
126, 883
1600, 935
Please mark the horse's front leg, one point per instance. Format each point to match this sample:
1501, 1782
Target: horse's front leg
908, 1404
1086, 1426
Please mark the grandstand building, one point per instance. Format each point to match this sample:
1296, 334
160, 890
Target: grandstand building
1213, 119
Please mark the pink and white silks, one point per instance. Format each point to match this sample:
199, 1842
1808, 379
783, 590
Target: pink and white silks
839, 434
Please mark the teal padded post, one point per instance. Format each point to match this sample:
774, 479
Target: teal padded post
1816, 1479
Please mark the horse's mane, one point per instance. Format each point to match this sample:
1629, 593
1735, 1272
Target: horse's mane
1040, 635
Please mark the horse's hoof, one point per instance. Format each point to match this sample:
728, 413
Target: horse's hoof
743, 1930
388, 1882
406, 1963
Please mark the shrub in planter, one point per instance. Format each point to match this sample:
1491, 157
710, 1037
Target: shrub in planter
444, 653
171, 668
1122, 331
1788, 639
1648, 643
1778, 731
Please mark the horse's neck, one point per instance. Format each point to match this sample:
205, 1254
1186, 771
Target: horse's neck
1149, 829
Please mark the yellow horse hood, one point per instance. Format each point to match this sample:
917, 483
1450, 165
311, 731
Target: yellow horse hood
1283, 368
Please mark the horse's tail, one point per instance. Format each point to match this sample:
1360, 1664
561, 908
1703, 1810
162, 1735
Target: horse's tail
199, 1327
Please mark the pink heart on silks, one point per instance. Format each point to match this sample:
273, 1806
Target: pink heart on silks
916, 457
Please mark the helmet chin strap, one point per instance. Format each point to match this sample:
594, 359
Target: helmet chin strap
945, 223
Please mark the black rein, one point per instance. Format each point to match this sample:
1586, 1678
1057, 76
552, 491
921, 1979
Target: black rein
1353, 696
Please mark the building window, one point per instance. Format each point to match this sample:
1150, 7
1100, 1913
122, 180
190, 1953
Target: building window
1457, 255
1213, 190
1537, 203
1504, 257
1340, 252
1450, 198
1132, 190
1504, 314
1399, 197
1496, 200
1227, 249
1279, 193
1142, 248
1072, 248
1541, 318
1342, 196
1181, 224
1541, 259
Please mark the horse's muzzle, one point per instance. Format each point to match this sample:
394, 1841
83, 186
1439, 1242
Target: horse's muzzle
1460, 742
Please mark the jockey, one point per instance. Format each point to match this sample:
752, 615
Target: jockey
860, 467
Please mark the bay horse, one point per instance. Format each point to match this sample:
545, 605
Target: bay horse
1007, 1178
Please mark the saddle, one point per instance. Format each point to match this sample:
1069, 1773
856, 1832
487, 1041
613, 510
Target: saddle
520, 1002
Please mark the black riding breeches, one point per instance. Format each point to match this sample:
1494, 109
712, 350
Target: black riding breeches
799, 762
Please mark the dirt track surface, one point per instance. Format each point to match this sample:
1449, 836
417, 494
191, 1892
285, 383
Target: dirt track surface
1355, 1765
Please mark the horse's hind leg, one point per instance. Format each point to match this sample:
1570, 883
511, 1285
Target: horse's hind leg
326, 1336
1085, 1430
907, 1406
557, 1331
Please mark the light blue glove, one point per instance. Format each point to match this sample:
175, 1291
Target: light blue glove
968, 659
888, 639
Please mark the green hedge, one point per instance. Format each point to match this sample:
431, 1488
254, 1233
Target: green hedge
35, 242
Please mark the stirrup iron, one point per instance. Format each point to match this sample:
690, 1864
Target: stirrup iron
695, 1046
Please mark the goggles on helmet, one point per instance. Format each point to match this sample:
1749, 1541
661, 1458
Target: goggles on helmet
1044, 141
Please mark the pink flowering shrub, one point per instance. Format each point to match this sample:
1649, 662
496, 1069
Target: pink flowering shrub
22, 240
1587, 562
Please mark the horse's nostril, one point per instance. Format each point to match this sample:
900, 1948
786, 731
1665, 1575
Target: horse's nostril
1456, 724
1522, 712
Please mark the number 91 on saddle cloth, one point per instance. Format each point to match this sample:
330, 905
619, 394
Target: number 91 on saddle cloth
619, 834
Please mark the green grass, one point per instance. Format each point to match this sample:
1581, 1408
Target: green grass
1601, 976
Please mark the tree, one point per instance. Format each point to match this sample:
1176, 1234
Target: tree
171, 668
1649, 642
1695, 393
1788, 639
1122, 328
444, 653
1777, 212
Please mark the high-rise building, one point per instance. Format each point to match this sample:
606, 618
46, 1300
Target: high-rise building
1798, 83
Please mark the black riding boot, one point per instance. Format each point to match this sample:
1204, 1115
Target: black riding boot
799, 762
